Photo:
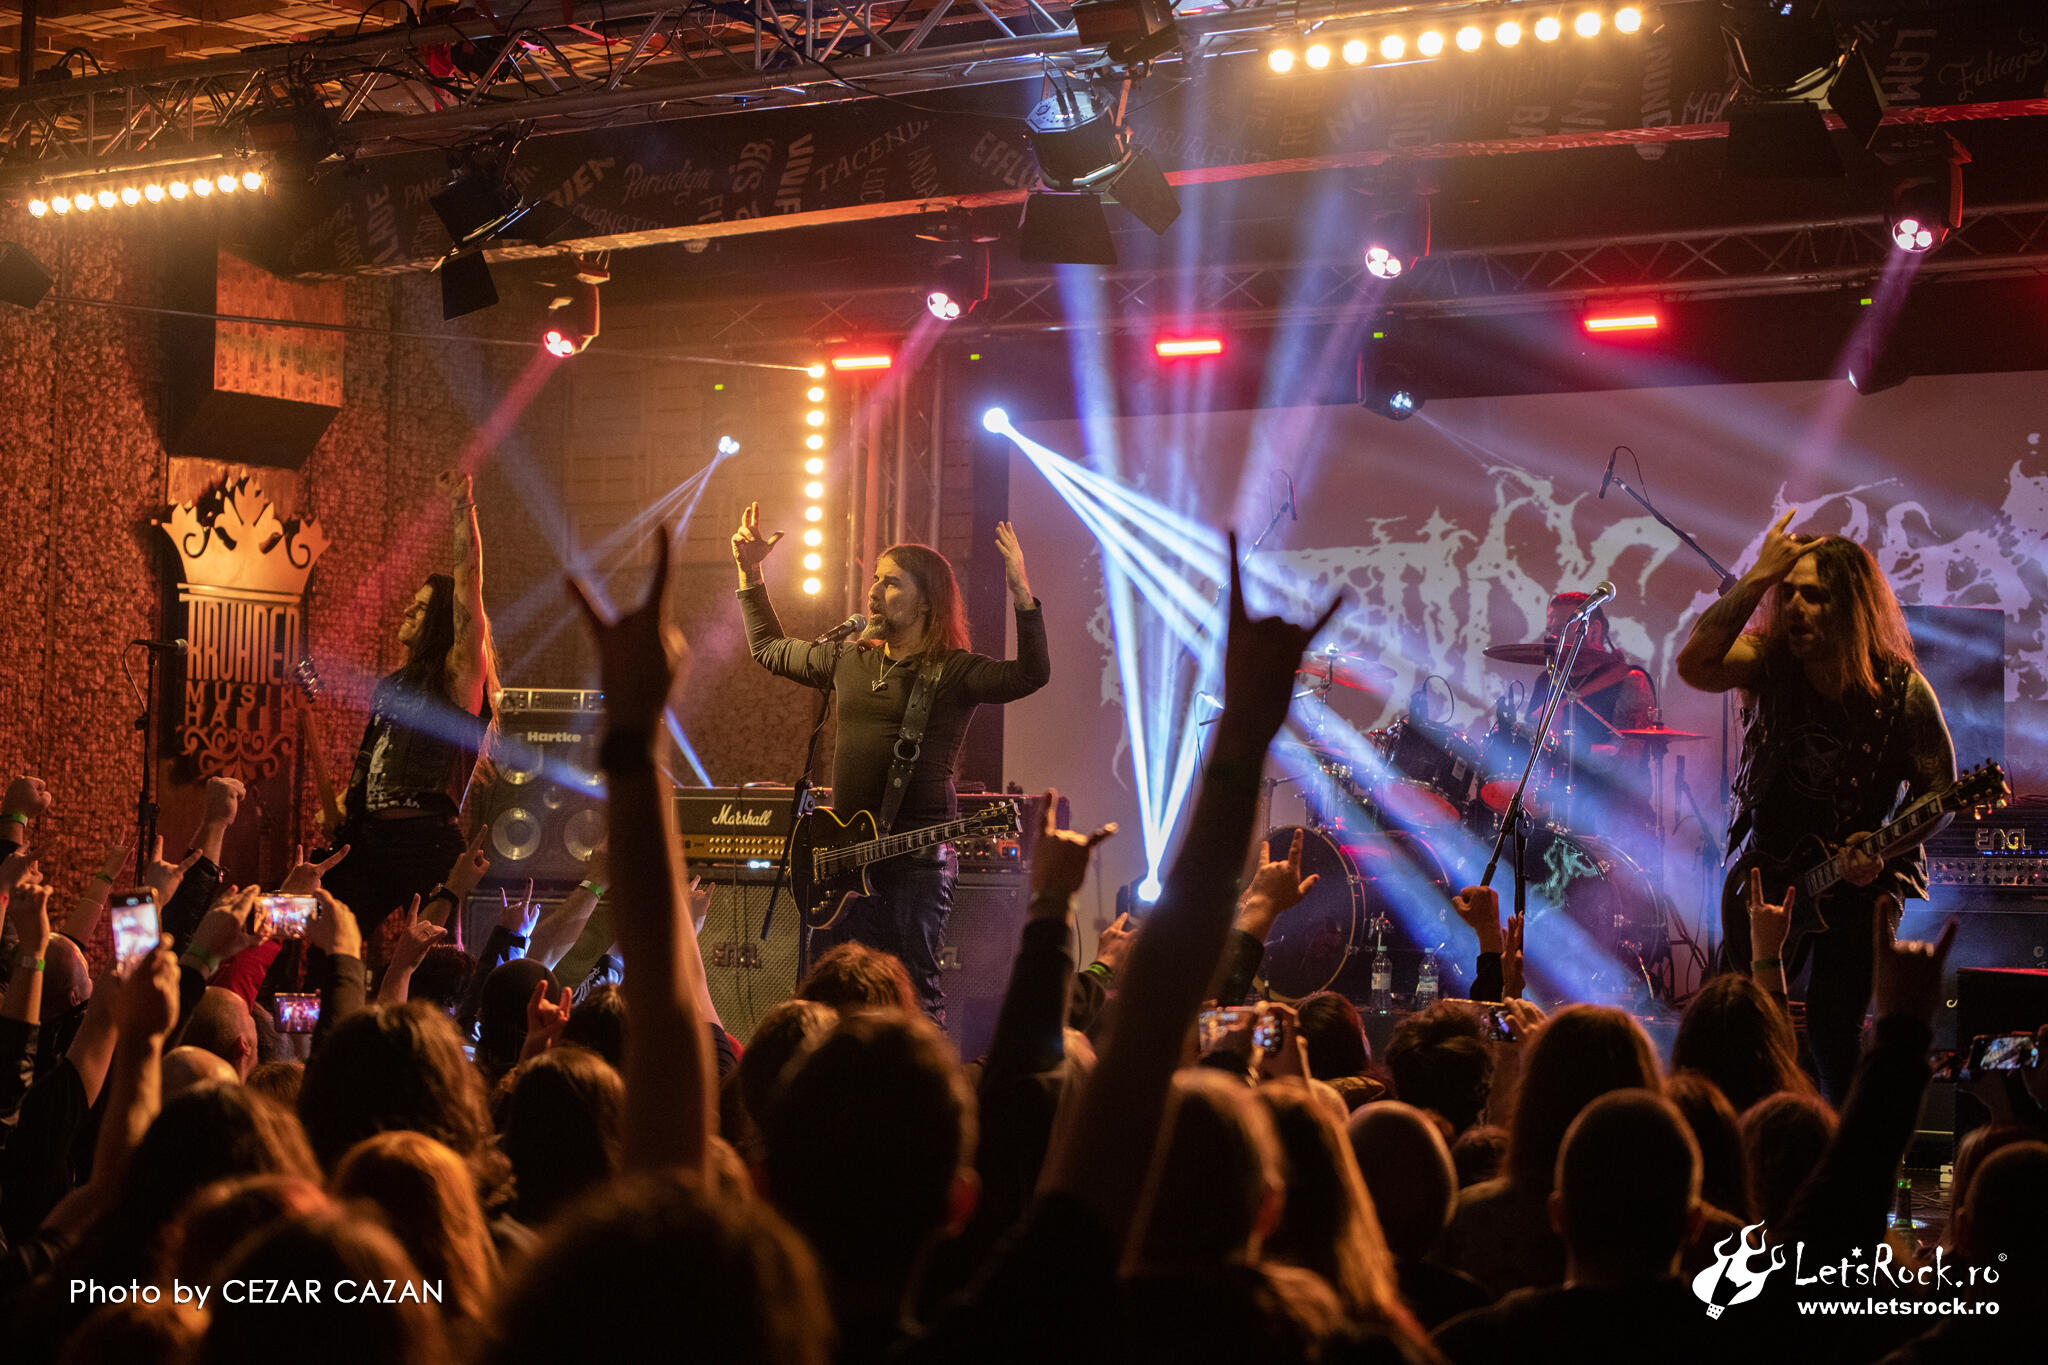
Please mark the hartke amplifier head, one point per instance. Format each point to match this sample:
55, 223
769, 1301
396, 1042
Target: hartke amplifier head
545, 802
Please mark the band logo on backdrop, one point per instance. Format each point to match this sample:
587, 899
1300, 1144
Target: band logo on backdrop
241, 593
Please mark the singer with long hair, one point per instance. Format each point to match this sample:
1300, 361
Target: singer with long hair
916, 625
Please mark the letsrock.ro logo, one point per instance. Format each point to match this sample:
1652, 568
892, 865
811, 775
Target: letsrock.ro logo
1732, 1277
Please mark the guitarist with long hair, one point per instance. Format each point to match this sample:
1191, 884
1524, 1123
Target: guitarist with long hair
917, 628
1840, 732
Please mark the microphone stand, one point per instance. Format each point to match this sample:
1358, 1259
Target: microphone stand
801, 798
1710, 855
1727, 579
1517, 817
145, 802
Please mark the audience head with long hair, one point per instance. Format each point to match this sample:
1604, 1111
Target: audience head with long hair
852, 976
785, 1033
2004, 1212
278, 1080
1783, 1140
1440, 1062
730, 1272
327, 1248
883, 1095
599, 1023
1578, 1054
562, 1130
1219, 1181
1335, 1036
1736, 1036
1724, 1181
429, 1202
220, 1217
1627, 1194
1971, 1150
400, 1067
163, 1333
1407, 1169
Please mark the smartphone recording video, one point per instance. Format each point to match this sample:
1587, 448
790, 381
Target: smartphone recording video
1947, 1064
1214, 1025
289, 915
297, 1012
2004, 1052
1501, 1026
136, 927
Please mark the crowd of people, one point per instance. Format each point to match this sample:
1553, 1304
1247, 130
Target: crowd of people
467, 1158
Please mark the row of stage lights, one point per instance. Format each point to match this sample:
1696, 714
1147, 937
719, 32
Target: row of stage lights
814, 489
107, 197
1432, 42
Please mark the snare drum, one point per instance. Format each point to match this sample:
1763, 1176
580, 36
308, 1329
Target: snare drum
1431, 775
1327, 942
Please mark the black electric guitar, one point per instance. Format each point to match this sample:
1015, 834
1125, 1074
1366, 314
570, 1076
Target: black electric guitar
329, 816
1815, 868
829, 861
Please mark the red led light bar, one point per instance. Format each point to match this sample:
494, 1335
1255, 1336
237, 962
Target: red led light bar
1174, 347
843, 363
1627, 320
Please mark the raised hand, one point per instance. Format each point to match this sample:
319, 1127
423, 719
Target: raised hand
304, 878
1013, 565
415, 936
700, 900
226, 928
28, 911
165, 878
521, 916
27, 796
472, 867
149, 997
1479, 908
1059, 860
1113, 943
640, 657
1907, 976
1259, 661
334, 929
223, 800
749, 546
1277, 886
18, 867
456, 486
1511, 974
1768, 924
1781, 549
545, 1019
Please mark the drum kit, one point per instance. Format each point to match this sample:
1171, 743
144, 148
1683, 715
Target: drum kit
1394, 831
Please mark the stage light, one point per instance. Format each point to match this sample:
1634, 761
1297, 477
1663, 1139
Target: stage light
816, 372
728, 446
1508, 34
814, 489
1925, 194
1587, 24
995, 419
179, 189
1628, 19
1383, 263
1876, 363
1629, 319
1393, 47
815, 394
575, 301
815, 418
1281, 59
1469, 38
60, 205
1317, 56
1084, 150
844, 363
814, 441
1355, 52
153, 192
226, 182
558, 343
814, 513
105, 199
1172, 348
1430, 43
814, 537
1548, 28
814, 465
1396, 239
252, 180
813, 587
1387, 382
1149, 889
959, 280
130, 196
37, 208
202, 187
814, 562
81, 202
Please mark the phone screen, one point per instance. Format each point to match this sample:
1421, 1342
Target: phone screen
289, 915
136, 928
1501, 1026
1213, 1025
297, 1012
2006, 1052
1948, 1065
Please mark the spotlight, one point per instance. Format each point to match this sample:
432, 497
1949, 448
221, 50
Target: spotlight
814, 561
153, 192
1548, 28
23, 280
1130, 31
816, 372
226, 182
575, 301
959, 283
1469, 38
1386, 381
1317, 56
995, 419
179, 189
81, 202
130, 196
813, 587
814, 441
1149, 889
1587, 24
252, 180
1430, 43
1508, 34
1393, 47
1781, 49
1083, 149
60, 205
558, 343
202, 187
105, 199
815, 394
814, 513
814, 489
814, 537
1281, 59
1925, 194
814, 465
479, 206
1875, 366
37, 208
815, 418
1628, 19
728, 446
1397, 238
1355, 52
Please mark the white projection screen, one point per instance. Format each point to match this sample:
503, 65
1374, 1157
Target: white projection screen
1450, 531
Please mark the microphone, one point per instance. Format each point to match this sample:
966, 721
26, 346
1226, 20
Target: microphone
852, 625
1608, 477
177, 647
1293, 506
1602, 595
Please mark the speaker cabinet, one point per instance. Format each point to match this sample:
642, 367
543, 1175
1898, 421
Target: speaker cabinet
749, 974
543, 804
982, 934
1992, 933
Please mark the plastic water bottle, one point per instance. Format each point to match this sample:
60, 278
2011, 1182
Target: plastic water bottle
1382, 982
1425, 983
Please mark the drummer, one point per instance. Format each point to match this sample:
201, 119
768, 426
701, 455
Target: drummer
1614, 772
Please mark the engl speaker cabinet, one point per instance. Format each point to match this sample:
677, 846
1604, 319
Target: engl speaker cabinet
982, 935
544, 805
749, 975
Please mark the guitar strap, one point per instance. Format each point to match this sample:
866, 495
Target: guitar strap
909, 744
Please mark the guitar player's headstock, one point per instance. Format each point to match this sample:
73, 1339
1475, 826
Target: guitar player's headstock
999, 819
1982, 790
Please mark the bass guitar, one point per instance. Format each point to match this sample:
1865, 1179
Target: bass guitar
829, 861
1814, 869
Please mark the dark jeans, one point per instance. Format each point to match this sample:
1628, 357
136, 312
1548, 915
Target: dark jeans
391, 861
906, 916
1837, 982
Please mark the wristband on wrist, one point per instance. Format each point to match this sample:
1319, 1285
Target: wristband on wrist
103, 877
205, 961
1101, 971
442, 892
516, 940
1764, 963
27, 963
16, 816
594, 888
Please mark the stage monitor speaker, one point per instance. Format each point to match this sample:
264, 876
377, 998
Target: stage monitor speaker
544, 806
982, 934
749, 975
1990, 934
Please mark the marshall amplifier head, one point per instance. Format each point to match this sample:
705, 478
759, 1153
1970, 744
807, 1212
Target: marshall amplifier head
735, 827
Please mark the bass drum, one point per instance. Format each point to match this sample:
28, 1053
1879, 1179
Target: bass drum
1596, 928
1387, 889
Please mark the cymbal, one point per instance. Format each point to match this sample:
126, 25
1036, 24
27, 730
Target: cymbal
1659, 732
1535, 654
1347, 670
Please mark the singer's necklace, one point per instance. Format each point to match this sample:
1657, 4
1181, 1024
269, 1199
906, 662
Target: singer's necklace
888, 667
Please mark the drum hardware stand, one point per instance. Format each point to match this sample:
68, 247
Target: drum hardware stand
1515, 820
1711, 855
